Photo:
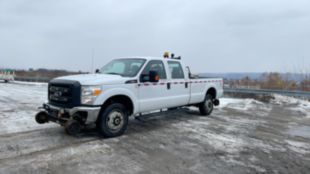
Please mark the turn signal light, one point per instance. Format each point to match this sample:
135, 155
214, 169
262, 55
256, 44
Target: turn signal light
97, 92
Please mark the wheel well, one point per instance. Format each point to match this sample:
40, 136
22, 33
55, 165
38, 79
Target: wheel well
212, 92
123, 99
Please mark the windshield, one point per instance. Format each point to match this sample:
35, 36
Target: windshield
123, 67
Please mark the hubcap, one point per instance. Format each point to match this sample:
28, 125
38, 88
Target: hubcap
115, 120
208, 105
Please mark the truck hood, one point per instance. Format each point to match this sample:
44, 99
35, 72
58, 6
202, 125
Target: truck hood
96, 79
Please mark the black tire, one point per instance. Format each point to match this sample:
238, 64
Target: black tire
73, 127
206, 107
113, 121
41, 117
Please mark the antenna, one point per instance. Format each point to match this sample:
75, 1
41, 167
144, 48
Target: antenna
92, 60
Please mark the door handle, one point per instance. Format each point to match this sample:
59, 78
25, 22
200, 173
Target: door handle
168, 86
186, 84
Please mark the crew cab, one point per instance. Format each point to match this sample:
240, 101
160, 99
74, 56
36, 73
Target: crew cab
126, 87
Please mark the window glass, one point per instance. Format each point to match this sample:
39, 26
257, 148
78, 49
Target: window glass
176, 70
117, 67
123, 67
155, 65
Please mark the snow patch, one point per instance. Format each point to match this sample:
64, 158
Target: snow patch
228, 140
299, 147
245, 105
231, 159
18, 106
296, 104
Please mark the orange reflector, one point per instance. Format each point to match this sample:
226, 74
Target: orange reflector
96, 92
156, 78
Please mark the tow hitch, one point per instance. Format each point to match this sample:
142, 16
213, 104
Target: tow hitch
216, 102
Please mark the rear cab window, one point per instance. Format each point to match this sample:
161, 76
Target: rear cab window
176, 70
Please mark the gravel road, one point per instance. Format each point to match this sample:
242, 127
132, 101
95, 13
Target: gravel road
241, 136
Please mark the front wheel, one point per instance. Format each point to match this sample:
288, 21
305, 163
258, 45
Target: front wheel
113, 121
206, 107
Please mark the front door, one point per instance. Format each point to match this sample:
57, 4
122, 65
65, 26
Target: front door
153, 96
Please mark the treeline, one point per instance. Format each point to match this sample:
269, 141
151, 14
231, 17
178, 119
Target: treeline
273, 80
42, 75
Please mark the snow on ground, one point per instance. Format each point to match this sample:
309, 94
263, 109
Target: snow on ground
30, 83
19, 102
239, 104
240, 136
297, 105
299, 147
18, 105
246, 105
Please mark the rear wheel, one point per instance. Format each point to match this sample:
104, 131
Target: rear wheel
113, 120
206, 107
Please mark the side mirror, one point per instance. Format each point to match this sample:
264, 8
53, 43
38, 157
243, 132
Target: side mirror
153, 76
97, 71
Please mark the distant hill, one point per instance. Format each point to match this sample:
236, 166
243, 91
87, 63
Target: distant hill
254, 76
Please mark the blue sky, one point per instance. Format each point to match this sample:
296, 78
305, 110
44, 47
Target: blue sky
211, 36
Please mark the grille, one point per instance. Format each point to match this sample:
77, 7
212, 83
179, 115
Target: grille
60, 94
64, 93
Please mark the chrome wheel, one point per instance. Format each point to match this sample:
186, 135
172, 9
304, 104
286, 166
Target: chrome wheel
115, 120
208, 105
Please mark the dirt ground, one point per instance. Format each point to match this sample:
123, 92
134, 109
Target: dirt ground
241, 136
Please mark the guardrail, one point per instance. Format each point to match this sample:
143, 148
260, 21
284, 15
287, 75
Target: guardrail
33, 79
301, 94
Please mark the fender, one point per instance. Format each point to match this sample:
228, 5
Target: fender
110, 92
209, 87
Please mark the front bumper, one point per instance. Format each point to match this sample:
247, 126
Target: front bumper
86, 115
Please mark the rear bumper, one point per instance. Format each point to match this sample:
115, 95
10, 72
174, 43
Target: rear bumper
86, 115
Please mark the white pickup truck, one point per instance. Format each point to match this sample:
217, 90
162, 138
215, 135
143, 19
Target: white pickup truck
7, 76
125, 87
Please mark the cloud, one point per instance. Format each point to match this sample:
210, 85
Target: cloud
211, 36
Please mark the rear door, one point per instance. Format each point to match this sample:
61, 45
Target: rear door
179, 88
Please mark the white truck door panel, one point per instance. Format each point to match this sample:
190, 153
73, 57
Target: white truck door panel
179, 91
197, 87
153, 96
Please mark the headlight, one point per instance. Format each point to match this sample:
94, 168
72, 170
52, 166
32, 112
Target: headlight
89, 94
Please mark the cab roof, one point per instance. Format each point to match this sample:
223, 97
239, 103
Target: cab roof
148, 58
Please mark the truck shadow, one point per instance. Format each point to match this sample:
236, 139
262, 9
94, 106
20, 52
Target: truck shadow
162, 120
151, 122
